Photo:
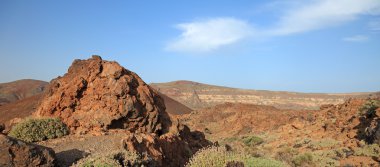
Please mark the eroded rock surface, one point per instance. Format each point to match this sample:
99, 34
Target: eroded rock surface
96, 95
171, 149
15, 152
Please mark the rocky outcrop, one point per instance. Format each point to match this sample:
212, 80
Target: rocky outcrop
171, 149
96, 95
14, 152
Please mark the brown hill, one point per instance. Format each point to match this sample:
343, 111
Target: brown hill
197, 95
19, 109
174, 107
17, 90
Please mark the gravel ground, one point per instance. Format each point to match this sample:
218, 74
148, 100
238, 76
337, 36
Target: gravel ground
70, 149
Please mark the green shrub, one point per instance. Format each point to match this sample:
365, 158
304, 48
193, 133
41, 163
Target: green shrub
114, 159
32, 130
328, 158
372, 150
286, 154
301, 142
368, 109
219, 157
305, 159
252, 140
324, 143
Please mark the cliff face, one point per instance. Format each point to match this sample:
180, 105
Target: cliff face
197, 95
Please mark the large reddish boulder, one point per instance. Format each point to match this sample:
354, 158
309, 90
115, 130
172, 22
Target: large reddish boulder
97, 95
15, 152
170, 149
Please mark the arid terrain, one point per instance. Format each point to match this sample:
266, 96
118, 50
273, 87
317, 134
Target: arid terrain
336, 135
100, 113
21, 89
197, 95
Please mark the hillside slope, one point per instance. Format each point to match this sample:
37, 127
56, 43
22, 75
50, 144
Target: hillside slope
19, 109
20, 89
174, 107
197, 95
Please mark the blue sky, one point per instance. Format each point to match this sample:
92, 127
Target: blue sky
305, 46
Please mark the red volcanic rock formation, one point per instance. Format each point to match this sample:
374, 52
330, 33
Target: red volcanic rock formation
98, 95
15, 152
170, 149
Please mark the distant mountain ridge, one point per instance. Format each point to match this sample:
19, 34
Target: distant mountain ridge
20, 89
197, 95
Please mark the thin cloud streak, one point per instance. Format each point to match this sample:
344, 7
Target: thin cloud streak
356, 38
323, 14
213, 34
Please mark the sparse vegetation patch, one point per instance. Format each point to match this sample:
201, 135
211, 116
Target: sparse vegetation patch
305, 159
324, 143
115, 159
33, 130
219, 157
368, 109
252, 140
371, 150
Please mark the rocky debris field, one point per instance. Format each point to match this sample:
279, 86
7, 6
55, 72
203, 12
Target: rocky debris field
346, 134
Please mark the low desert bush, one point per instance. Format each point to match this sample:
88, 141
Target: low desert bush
252, 140
219, 157
286, 154
301, 142
371, 150
114, 159
324, 143
328, 158
303, 160
32, 130
368, 109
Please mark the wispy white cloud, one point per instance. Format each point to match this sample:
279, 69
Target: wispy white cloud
300, 17
211, 34
322, 14
356, 38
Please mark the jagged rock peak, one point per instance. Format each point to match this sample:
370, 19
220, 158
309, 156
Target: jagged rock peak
99, 95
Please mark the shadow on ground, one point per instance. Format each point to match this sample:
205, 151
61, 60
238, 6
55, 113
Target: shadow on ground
69, 157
